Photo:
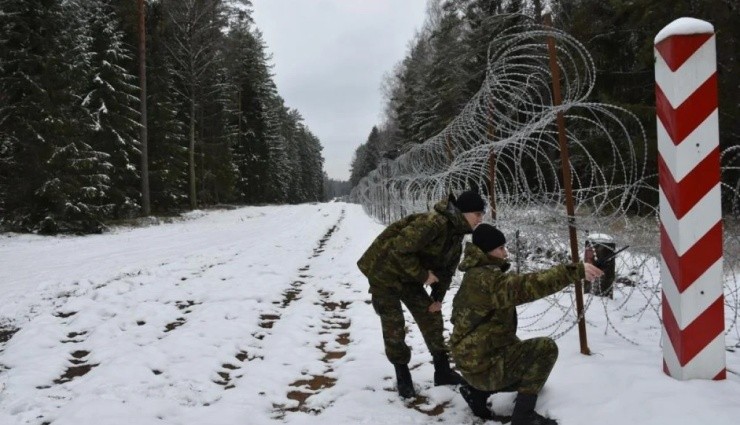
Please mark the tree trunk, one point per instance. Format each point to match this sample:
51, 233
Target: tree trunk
202, 126
191, 156
145, 202
239, 115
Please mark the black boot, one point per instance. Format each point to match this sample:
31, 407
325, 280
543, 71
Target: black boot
477, 400
403, 381
443, 375
524, 413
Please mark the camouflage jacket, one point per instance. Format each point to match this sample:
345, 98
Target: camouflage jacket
484, 309
407, 249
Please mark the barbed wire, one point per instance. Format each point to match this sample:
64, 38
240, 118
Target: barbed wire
505, 143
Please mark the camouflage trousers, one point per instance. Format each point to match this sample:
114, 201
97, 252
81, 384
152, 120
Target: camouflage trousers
388, 306
523, 367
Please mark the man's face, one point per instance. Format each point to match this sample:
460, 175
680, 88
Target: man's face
473, 218
500, 252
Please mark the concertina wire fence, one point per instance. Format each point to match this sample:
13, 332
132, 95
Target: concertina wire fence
509, 127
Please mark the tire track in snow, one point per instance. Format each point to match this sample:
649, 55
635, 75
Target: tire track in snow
78, 363
334, 337
312, 392
269, 317
308, 392
329, 327
76, 310
7, 330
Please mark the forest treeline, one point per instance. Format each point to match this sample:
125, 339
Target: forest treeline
70, 134
446, 62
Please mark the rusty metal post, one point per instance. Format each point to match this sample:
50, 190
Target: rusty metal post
565, 168
448, 149
492, 184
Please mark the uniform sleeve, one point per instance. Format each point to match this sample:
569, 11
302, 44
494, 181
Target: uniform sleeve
439, 289
411, 240
508, 290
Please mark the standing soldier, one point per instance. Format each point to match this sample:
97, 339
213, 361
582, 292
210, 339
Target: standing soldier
418, 250
484, 342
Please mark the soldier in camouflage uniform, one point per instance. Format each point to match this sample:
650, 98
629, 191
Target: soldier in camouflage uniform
484, 342
419, 250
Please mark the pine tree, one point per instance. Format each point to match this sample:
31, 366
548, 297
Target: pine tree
195, 35
312, 181
217, 176
367, 156
59, 180
444, 90
281, 129
167, 132
407, 98
112, 100
357, 169
255, 123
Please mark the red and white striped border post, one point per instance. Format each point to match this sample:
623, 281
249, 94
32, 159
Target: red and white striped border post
690, 209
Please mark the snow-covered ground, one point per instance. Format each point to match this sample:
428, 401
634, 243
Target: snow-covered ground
259, 315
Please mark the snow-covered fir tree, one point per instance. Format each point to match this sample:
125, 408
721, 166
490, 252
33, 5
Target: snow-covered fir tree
254, 88
216, 175
166, 133
112, 100
193, 39
59, 181
280, 132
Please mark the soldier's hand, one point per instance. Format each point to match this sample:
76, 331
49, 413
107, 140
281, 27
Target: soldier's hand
431, 279
435, 307
592, 272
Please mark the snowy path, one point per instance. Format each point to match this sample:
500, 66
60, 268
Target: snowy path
235, 317
260, 316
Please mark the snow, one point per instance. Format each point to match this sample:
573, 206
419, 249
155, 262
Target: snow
684, 26
599, 237
259, 315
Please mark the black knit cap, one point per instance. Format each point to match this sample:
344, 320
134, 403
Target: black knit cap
487, 237
470, 201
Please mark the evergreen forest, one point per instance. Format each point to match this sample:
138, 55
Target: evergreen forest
76, 154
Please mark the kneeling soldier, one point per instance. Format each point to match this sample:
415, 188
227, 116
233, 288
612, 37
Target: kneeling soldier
484, 342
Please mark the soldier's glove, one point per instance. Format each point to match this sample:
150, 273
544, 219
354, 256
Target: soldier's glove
438, 293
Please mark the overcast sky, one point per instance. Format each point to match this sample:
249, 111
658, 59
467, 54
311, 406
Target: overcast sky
329, 58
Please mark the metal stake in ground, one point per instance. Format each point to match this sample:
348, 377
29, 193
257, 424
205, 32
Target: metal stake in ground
565, 160
492, 184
